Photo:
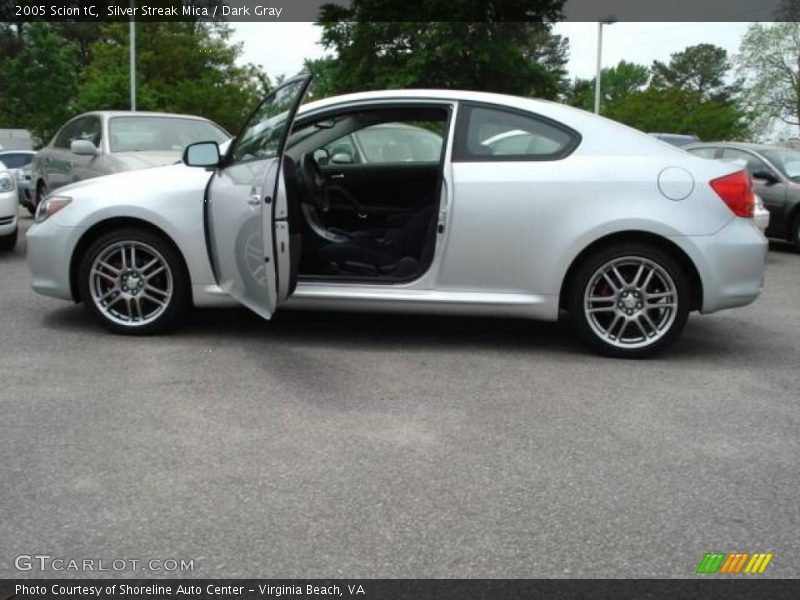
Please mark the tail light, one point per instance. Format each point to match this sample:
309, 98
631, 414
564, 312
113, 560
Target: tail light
736, 190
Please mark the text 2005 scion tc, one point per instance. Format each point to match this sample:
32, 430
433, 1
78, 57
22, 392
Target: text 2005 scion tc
420, 201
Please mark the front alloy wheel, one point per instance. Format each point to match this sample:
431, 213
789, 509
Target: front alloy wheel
133, 282
630, 301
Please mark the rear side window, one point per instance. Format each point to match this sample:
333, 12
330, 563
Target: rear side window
494, 134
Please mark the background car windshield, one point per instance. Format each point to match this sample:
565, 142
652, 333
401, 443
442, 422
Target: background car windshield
140, 134
16, 161
787, 161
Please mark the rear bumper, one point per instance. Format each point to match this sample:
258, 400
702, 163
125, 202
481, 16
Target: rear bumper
731, 264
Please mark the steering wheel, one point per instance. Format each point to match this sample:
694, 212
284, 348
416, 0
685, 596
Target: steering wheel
315, 183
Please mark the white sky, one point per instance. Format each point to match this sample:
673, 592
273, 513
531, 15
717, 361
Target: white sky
280, 48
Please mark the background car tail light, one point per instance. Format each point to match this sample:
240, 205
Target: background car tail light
736, 190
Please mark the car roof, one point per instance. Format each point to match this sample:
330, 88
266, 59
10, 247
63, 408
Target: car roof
139, 113
532, 104
743, 145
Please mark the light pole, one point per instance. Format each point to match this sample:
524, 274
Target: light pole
132, 36
607, 21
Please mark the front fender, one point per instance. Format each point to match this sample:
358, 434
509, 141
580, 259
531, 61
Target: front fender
168, 198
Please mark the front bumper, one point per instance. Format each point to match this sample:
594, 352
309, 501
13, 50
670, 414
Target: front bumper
49, 249
731, 264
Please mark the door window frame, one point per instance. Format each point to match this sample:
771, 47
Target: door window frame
765, 163
67, 129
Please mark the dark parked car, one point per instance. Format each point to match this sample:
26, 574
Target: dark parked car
776, 176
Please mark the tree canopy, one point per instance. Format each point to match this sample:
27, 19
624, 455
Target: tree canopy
38, 83
690, 94
769, 62
181, 67
491, 46
51, 71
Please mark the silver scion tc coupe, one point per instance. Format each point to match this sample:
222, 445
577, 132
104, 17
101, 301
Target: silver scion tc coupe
580, 214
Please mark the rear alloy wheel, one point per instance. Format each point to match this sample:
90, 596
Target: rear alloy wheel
134, 282
629, 301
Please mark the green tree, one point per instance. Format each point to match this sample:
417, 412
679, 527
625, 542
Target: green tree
702, 68
617, 83
675, 110
181, 67
38, 85
482, 46
769, 62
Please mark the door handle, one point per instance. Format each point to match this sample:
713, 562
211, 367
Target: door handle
254, 199
337, 176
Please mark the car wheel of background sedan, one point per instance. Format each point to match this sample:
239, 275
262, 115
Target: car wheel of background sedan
41, 192
629, 300
7, 242
134, 282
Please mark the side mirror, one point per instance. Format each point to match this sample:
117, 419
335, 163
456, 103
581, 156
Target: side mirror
342, 158
201, 154
321, 156
83, 148
765, 175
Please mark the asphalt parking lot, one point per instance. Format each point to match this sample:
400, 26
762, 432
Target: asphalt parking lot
329, 445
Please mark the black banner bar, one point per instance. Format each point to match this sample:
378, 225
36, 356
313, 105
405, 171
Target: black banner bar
382, 589
432, 10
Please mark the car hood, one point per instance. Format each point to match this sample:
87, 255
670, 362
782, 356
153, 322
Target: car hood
138, 181
146, 159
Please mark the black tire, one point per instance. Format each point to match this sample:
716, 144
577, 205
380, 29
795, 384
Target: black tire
175, 307
587, 274
38, 197
8, 242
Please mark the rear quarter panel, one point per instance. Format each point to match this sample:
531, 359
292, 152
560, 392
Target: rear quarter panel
518, 226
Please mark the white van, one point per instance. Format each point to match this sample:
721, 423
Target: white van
15, 139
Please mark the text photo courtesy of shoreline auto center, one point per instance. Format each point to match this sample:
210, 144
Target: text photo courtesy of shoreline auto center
388, 300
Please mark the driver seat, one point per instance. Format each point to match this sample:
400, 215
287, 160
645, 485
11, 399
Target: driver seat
398, 252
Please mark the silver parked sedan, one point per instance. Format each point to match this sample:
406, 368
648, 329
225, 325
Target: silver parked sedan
625, 233
106, 142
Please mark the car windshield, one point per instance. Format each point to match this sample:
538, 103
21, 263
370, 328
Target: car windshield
166, 134
788, 161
